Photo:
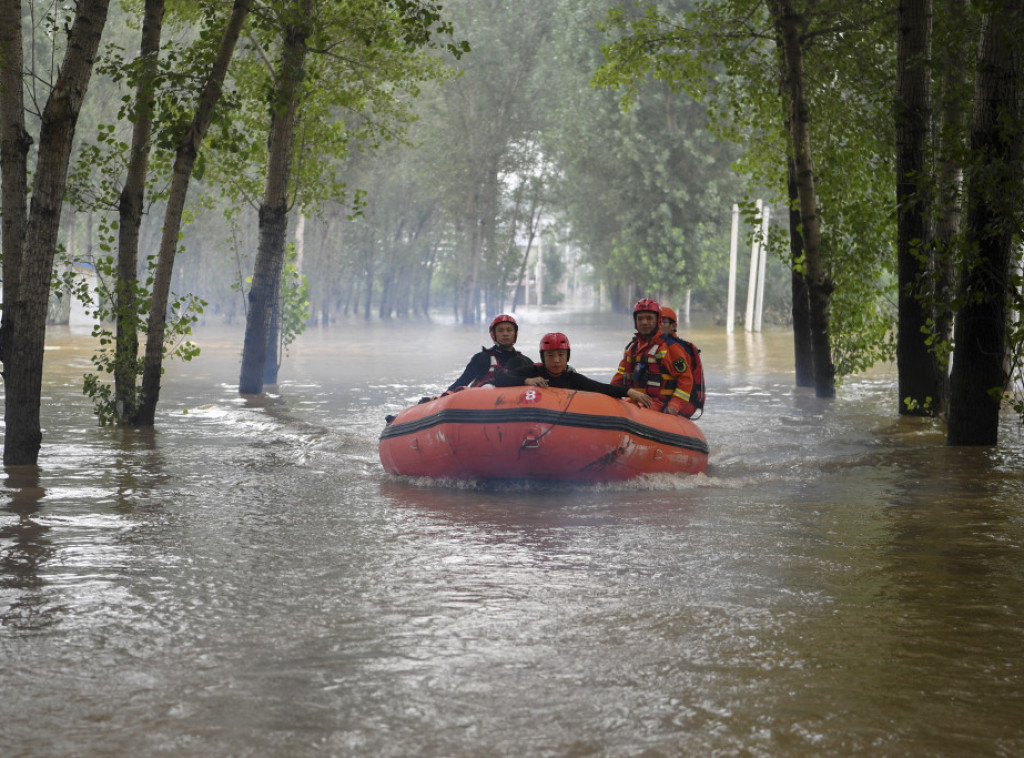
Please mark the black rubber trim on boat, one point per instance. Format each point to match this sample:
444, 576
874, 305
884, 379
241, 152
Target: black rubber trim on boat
543, 416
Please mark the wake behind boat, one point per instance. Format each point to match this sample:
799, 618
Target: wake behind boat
539, 433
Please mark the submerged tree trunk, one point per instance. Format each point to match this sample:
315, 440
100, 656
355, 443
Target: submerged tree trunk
918, 371
994, 198
788, 25
130, 206
26, 302
184, 161
266, 278
272, 365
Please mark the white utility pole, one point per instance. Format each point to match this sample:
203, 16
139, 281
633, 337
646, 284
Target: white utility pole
755, 265
759, 304
730, 313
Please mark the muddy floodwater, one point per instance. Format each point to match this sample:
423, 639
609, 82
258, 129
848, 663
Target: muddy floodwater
246, 580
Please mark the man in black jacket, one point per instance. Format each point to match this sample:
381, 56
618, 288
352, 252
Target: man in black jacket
491, 361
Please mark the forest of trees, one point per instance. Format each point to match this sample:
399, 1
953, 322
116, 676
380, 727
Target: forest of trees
271, 163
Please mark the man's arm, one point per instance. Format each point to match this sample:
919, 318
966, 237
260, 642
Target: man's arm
516, 376
476, 368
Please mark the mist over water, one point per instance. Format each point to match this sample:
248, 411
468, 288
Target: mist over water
246, 580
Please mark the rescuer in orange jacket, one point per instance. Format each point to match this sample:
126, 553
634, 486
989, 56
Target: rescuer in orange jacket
656, 366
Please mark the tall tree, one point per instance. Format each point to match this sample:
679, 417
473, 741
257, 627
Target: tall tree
726, 54
956, 26
130, 211
15, 142
645, 189
486, 120
27, 277
919, 374
266, 281
992, 228
184, 162
362, 55
788, 24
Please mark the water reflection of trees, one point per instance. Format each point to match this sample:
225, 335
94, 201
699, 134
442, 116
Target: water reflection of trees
25, 546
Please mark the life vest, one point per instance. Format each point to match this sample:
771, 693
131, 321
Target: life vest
646, 373
493, 352
699, 392
645, 369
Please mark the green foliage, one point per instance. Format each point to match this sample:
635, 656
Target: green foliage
294, 300
184, 313
1014, 388
647, 189
724, 55
365, 65
913, 406
97, 174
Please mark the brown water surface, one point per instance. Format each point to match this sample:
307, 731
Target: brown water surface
246, 580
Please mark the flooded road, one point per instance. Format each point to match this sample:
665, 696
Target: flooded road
247, 581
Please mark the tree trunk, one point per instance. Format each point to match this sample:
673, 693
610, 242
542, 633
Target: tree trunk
130, 217
470, 284
25, 314
994, 197
184, 161
15, 143
266, 278
954, 90
534, 224
788, 25
920, 385
803, 354
272, 364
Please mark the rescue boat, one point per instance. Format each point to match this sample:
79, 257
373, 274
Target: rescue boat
539, 433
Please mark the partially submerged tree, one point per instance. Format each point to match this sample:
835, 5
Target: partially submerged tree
954, 35
185, 158
30, 239
345, 68
775, 75
176, 97
131, 205
289, 76
919, 373
995, 196
788, 26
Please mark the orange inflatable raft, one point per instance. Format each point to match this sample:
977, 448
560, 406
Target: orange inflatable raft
535, 433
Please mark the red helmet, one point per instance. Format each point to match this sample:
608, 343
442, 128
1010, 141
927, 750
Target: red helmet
554, 341
647, 305
500, 319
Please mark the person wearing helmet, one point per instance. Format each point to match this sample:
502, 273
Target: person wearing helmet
554, 371
490, 361
655, 365
669, 322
